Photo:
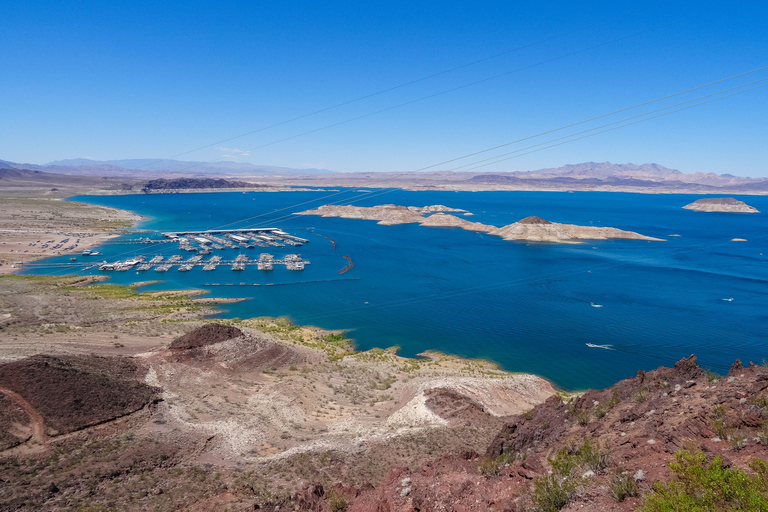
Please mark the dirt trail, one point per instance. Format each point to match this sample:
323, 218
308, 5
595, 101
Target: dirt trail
38, 424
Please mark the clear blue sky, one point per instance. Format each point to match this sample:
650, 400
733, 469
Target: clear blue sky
147, 79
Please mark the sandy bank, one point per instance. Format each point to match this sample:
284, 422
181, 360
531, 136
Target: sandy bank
32, 228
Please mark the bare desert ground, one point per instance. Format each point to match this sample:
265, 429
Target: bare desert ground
34, 227
275, 407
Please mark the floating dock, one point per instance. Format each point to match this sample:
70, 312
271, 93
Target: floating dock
267, 233
265, 262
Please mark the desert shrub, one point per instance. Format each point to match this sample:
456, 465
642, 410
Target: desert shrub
591, 456
758, 401
622, 487
582, 417
614, 401
719, 428
564, 463
711, 376
336, 500
700, 486
527, 415
492, 467
489, 467
640, 396
738, 441
718, 412
587, 456
762, 434
552, 492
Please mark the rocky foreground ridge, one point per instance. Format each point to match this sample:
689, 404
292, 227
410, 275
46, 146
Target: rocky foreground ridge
530, 228
229, 418
604, 450
721, 204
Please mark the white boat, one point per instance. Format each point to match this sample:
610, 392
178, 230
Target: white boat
595, 305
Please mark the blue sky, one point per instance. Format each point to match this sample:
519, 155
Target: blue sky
112, 80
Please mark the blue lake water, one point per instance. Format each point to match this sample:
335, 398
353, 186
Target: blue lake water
526, 306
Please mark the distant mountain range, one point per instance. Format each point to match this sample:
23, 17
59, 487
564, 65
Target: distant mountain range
624, 174
139, 167
583, 176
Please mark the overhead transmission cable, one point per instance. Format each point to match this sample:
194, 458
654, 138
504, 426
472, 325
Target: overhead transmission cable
423, 98
622, 126
475, 166
396, 87
400, 175
571, 138
390, 178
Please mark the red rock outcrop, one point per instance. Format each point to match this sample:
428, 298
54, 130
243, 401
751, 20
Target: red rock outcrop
638, 424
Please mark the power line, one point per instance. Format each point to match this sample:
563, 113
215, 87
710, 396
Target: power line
474, 166
475, 153
430, 96
623, 126
400, 86
381, 192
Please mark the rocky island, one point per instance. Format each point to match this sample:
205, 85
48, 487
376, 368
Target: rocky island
540, 230
721, 204
534, 229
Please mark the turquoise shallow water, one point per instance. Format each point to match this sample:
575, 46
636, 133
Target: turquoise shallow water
523, 305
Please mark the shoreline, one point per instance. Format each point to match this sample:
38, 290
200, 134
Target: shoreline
221, 310
206, 191
35, 228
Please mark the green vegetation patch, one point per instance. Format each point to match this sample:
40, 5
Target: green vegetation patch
555, 490
623, 486
552, 492
114, 291
32, 278
709, 487
114, 224
334, 344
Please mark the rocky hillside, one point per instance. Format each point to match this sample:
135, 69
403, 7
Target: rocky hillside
67, 393
603, 451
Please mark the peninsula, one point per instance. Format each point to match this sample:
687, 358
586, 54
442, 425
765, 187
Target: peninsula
721, 204
534, 229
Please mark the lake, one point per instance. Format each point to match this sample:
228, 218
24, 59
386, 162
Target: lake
530, 307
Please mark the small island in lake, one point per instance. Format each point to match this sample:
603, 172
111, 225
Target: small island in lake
721, 204
540, 230
533, 229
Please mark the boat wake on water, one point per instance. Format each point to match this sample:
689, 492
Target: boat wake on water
727, 300
606, 347
595, 305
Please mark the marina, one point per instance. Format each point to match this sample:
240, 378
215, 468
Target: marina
220, 239
202, 244
265, 262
